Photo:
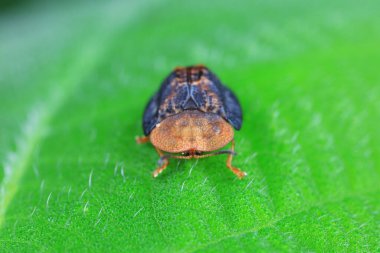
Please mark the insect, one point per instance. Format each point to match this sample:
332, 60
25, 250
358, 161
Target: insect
192, 115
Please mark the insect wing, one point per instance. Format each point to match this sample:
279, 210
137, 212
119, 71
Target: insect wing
232, 108
150, 115
231, 105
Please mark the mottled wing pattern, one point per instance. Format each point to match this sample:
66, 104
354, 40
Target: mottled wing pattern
192, 88
150, 118
232, 109
234, 114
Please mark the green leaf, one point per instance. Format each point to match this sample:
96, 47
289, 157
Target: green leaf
75, 77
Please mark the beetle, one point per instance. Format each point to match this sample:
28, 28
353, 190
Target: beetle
192, 115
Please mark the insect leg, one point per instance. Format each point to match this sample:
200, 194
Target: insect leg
142, 139
163, 163
240, 174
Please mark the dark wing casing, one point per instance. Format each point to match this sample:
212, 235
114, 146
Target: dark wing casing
150, 118
232, 109
192, 88
150, 115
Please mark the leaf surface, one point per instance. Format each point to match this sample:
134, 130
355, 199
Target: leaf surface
72, 94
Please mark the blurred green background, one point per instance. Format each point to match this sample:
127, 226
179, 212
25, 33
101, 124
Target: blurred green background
74, 80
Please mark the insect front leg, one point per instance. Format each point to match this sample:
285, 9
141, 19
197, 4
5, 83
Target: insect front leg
163, 163
240, 174
142, 139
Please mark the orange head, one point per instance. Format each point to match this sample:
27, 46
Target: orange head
192, 132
